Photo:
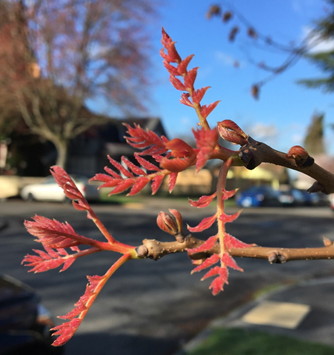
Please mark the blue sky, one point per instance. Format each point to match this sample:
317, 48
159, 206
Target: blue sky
284, 110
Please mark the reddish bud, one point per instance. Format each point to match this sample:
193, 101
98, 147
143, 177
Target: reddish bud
214, 10
255, 91
227, 16
234, 31
301, 156
170, 222
231, 132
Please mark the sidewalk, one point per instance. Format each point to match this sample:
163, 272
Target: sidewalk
304, 311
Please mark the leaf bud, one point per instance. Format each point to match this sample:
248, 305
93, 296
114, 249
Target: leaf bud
170, 222
231, 132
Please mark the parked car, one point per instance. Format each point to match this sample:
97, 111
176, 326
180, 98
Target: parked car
24, 321
48, 190
257, 196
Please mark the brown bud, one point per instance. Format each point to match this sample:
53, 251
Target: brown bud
301, 156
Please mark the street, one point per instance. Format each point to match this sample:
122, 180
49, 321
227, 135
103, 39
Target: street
153, 307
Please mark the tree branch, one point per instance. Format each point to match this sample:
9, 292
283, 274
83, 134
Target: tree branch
254, 153
154, 249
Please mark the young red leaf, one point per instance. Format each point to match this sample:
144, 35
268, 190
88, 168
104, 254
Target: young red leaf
206, 246
134, 168
228, 261
145, 163
207, 109
171, 69
228, 193
212, 272
172, 181
122, 186
65, 331
190, 77
48, 259
232, 242
217, 285
139, 184
177, 83
214, 258
229, 218
172, 54
120, 167
55, 234
203, 201
185, 99
176, 164
204, 224
182, 67
198, 95
156, 183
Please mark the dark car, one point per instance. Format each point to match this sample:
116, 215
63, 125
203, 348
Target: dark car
257, 196
24, 322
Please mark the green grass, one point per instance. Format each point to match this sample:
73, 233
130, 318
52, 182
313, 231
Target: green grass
226, 341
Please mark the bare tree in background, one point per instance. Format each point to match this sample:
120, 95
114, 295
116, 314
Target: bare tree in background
59, 54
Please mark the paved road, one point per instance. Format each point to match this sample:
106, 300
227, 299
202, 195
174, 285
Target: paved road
153, 307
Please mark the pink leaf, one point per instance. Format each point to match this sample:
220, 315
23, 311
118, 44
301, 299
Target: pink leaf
122, 186
203, 201
190, 77
212, 272
229, 218
139, 184
232, 242
197, 95
177, 83
207, 109
156, 183
206, 246
182, 67
66, 331
146, 164
172, 181
217, 285
214, 258
120, 167
185, 99
230, 262
204, 224
134, 168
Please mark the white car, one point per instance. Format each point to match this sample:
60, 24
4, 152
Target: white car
48, 190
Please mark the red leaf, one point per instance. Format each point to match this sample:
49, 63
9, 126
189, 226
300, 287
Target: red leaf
185, 99
207, 109
229, 218
172, 181
156, 183
177, 83
134, 168
190, 77
139, 184
122, 186
171, 69
230, 262
229, 193
145, 163
232, 242
206, 246
203, 201
120, 167
176, 164
217, 285
66, 331
55, 234
206, 263
179, 148
212, 272
182, 67
204, 224
198, 95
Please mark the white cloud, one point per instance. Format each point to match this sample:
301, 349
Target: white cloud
227, 60
315, 43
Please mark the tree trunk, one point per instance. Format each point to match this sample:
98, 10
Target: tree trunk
62, 151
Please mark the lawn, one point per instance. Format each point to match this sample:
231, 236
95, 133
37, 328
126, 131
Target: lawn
230, 341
